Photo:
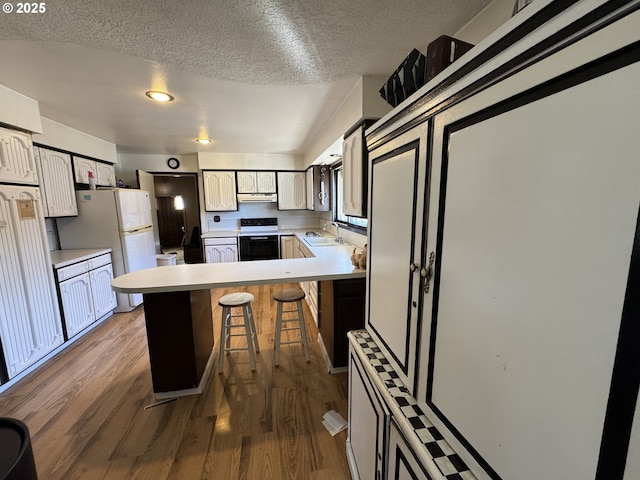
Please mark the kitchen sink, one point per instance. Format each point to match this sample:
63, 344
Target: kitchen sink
321, 241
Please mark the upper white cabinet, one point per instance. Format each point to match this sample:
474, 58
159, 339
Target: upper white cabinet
256, 182
354, 168
292, 191
56, 183
82, 166
103, 173
219, 190
17, 162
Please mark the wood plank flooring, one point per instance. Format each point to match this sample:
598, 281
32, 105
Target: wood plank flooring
85, 410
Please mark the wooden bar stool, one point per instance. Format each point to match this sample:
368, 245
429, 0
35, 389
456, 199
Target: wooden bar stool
242, 300
290, 295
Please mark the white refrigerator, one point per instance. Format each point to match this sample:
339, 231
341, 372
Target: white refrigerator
119, 219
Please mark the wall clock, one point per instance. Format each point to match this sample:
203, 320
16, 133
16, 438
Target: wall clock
173, 163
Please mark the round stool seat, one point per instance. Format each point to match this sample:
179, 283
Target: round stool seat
235, 299
288, 295
16, 456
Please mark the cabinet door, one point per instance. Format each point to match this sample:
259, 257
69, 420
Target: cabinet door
220, 191
30, 324
221, 253
56, 182
403, 463
398, 183
266, 182
17, 162
105, 175
309, 188
354, 172
104, 298
287, 244
82, 166
368, 425
77, 304
292, 191
247, 182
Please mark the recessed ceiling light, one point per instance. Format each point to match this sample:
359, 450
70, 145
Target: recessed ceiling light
159, 96
204, 141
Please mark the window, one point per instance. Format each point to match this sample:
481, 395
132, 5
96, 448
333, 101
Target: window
356, 222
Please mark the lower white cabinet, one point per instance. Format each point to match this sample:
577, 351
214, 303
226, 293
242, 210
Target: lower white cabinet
368, 425
403, 464
85, 292
287, 246
310, 288
221, 250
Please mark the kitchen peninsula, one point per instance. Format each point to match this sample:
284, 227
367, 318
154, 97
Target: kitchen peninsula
178, 311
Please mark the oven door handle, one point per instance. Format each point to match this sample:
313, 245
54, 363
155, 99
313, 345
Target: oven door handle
258, 238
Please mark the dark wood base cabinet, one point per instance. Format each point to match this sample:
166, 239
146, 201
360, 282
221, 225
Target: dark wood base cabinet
340, 309
180, 338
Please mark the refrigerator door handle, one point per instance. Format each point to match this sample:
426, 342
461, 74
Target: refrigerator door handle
137, 230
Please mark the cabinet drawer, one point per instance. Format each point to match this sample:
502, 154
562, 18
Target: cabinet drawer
72, 270
99, 261
221, 241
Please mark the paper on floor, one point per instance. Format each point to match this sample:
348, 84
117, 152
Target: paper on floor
334, 422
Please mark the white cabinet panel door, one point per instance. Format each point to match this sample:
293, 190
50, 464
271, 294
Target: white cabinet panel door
396, 259
220, 191
77, 304
247, 182
266, 182
221, 253
353, 170
82, 166
104, 298
30, 325
292, 191
17, 162
105, 175
56, 182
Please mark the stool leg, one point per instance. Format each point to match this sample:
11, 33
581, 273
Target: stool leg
254, 333
276, 341
303, 330
247, 329
226, 312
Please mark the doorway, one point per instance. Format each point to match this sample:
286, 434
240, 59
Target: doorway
178, 215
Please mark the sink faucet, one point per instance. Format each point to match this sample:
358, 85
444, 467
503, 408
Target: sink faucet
338, 237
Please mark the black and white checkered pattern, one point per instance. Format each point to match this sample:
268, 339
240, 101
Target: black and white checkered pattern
450, 464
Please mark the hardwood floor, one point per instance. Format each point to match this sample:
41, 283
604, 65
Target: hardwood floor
85, 410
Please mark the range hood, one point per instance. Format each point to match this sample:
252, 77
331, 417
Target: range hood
257, 197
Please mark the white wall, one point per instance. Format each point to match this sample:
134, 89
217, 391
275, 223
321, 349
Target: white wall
57, 135
485, 22
18, 110
129, 163
247, 161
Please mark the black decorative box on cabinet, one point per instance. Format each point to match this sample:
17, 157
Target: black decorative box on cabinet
442, 52
407, 79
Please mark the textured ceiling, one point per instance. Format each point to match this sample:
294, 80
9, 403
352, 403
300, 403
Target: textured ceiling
256, 76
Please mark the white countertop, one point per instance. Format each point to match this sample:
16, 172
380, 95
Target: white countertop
329, 263
63, 258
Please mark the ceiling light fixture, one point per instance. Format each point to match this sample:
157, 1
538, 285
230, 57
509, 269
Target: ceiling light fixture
203, 141
159, 96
